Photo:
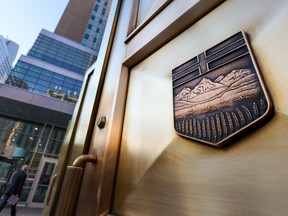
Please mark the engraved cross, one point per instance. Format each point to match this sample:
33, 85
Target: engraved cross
202, 63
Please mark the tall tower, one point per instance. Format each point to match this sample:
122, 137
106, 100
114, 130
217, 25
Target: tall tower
8, 52
74, 20
84, 22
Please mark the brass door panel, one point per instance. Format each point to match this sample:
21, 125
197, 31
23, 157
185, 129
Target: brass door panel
161, 173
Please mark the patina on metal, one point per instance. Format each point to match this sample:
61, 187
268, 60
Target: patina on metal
219, 93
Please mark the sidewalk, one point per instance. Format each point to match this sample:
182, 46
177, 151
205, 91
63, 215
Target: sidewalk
22, 211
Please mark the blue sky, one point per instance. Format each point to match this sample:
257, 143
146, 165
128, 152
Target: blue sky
22, 20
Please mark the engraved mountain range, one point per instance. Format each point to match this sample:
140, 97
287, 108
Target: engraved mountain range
211, 95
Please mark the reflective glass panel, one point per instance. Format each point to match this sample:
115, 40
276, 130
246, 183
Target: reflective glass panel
146, 9
54, 147
43, 183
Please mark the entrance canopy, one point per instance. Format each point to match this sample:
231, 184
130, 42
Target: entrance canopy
20, 103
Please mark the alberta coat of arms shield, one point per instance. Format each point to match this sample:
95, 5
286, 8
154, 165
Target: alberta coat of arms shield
219, 93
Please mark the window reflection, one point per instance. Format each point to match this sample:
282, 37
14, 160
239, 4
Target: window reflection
35, 79
29, 140
54, 147
147, 8
43, 183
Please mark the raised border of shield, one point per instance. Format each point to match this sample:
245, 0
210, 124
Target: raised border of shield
216, 101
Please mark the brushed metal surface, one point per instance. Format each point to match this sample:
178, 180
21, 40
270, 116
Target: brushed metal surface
71, 184
97, 184
248, 178
160, 173
163, 27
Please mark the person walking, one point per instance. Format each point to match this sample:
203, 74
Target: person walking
15, 188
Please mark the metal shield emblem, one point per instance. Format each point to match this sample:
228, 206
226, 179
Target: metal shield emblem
219, 93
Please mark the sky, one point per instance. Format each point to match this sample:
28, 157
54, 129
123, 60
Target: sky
22, 20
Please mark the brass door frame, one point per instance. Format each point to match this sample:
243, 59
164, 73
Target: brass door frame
117, 55
79, 132
156, 33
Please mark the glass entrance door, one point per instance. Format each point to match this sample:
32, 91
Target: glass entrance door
42, 182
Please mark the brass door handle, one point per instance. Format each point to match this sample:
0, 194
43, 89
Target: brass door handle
71, 185
81, 160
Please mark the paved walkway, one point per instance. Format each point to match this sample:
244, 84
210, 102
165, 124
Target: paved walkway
22, 211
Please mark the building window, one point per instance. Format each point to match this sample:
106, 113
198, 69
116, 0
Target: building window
103, 11
96, 7
86, 36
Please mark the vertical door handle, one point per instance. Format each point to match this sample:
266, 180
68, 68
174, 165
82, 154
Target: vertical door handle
71, 185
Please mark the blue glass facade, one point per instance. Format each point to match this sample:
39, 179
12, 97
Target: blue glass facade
51, 50
63, 55
44, 82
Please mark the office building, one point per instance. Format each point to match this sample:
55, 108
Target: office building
8, 52
39, 96
139, 159
55, 66
84, 22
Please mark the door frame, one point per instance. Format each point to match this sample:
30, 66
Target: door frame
44, 160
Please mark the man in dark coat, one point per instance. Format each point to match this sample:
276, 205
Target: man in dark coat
14, 187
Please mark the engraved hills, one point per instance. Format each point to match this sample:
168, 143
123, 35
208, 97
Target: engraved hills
211, 95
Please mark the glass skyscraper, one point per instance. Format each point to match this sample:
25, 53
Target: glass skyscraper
39, 96
8, 52
37, 73
72, 48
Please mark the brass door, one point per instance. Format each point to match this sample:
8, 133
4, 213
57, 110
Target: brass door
161, 173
